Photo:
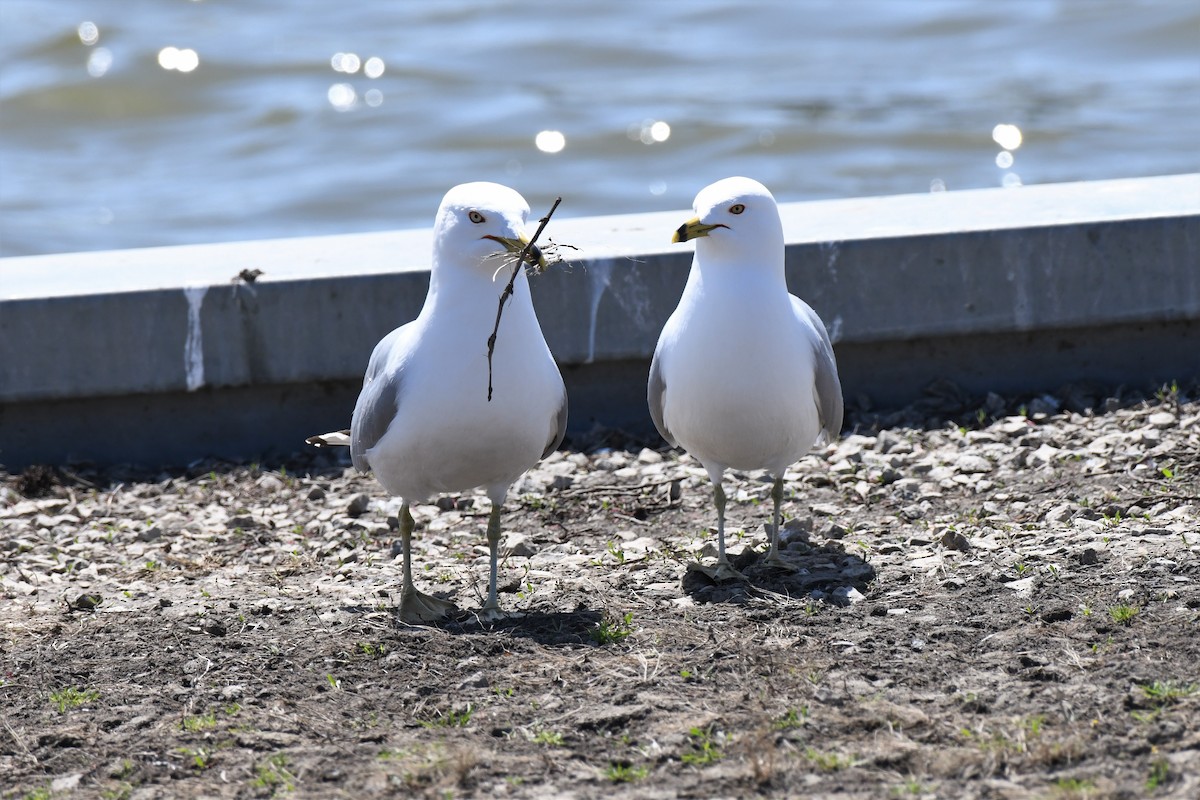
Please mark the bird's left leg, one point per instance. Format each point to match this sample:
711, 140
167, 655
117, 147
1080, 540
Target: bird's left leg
491, 609
773, 559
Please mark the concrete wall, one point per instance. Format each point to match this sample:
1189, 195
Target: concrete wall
165, 355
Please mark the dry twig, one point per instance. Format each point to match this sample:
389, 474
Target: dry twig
508, 290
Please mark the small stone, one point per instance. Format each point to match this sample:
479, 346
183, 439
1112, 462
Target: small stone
890, 476
973, 464
561, 482
270, 483
1046, 404
64, 783
994, 404
1056, 614
316, 493
848, 595
359, 505
150, 535
833, 531
1023, 587
477, 680
85, 602
953, 540
1162, 419
648, 456
1059, 514
518, 545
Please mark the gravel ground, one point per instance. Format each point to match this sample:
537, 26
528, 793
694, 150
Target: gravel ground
994, 599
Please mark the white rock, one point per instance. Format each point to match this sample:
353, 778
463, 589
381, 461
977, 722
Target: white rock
972, 464
648, 456
1162, 419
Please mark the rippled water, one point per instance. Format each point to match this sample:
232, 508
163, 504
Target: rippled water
174, 121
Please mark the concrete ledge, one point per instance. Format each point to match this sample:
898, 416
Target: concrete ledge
165, 355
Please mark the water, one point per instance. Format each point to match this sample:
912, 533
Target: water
253, 133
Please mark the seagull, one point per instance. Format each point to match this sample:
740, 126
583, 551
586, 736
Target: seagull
743, 376
423, 422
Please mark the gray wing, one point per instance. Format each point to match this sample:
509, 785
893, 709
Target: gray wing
656, 390
828, 386
377, 403
560, 426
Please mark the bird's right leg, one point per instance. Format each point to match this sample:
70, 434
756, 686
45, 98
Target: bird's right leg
723, 570
416, 607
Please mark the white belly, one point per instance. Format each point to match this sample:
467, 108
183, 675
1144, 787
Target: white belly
742, 407
447, 436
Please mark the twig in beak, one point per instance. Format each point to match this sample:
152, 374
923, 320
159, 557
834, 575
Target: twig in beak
508, 289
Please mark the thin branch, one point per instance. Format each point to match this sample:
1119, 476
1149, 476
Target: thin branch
508, 290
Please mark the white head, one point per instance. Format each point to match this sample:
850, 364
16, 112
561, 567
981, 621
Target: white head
736, 219
479, 222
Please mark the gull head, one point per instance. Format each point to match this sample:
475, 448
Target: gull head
482, 226
735, 216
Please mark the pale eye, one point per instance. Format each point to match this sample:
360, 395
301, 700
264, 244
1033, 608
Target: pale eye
475, 217
737, 208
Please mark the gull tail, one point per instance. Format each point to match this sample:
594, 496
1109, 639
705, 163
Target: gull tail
334, 439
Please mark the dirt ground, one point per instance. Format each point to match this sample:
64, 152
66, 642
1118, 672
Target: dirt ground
991, 599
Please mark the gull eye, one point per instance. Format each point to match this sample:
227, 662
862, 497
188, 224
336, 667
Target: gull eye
475, 217
737, 208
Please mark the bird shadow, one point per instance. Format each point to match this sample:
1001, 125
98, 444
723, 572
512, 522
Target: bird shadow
550, 628
824, 572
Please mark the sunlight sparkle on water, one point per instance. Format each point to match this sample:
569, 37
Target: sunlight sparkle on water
650, 131
550, 141
1007, 136
89, 34
99, 62
374, 67
181, 60
373, 98
342, 96
1004, 159
345, 62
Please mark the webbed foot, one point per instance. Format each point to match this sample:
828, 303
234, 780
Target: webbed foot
721, 572
418, 608
491, 614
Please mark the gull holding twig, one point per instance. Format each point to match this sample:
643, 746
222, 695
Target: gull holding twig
430, 418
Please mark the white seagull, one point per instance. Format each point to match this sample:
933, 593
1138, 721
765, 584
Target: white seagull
743, 376
423, 422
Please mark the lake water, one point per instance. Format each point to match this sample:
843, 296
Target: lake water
130, 123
